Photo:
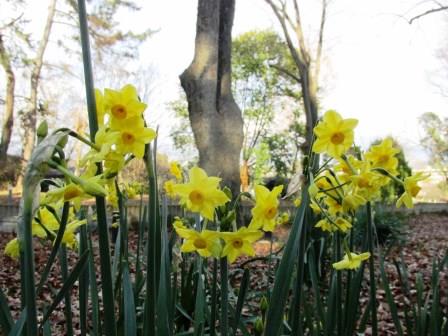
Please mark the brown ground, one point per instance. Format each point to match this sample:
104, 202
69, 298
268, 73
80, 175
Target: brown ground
428, 237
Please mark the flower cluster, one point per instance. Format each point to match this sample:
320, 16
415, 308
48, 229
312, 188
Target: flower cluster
201, 194
353, 180
121, 136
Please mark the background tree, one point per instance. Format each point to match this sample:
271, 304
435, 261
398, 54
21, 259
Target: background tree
29, 115
181, 132
307, 63
436, 141
215, 118
261, 91
110, 42
13, 40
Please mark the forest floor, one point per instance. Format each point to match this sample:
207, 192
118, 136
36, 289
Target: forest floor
427, 237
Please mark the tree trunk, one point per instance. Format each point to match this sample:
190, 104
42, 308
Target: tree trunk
300, 54
8, 120
30, 116
215, 118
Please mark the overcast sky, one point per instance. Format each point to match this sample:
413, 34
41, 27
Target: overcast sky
377, 67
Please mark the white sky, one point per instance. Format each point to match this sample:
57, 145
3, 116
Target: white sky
377, 67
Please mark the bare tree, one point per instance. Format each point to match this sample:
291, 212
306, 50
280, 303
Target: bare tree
29, 117
307, 63
8, 120
215, 118
439, 7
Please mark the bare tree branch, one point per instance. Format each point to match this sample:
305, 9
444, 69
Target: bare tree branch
430, 11
286, 72
296, 57
321, 39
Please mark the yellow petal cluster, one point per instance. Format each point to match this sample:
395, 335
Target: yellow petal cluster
334, 135
351, 261
264, 212
201, 193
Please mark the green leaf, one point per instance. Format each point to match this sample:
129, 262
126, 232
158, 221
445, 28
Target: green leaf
6, 321
83, 283
284, 273
390, 298
164, 297
130, 324
241, 297
199, 311
67, 285
18, 326
96, 324
56, 245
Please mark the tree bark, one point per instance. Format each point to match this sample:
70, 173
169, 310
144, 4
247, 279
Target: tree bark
8, 120
30, 116
215, 117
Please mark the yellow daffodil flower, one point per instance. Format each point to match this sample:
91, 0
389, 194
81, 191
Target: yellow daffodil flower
113, 163
201, 193
283, 218
383, 156
12, 249
343, 224
334, 207
176, 170
315, 207
297, 202
368, 183
47, 220
411, 189
133, 136
352, 201
334, 134
347, 168
178, 223
69, 193
265, 209
325, 225
239, 243
69, 237
112, 197
206, 243
122, 105
99, 100
168, 186
351, 262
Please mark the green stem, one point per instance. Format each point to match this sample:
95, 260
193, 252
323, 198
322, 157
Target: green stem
214, 298
386, 173
338, 287
151, 280
67, 298
224, 323
79, 137
370, 229
103, 233
28, 262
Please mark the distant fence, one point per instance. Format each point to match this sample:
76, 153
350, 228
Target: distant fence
9, 212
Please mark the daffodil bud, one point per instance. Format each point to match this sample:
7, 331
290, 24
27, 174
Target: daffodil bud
313, 190
92, 188
259, 327
63, 141
42, 130
264, 305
